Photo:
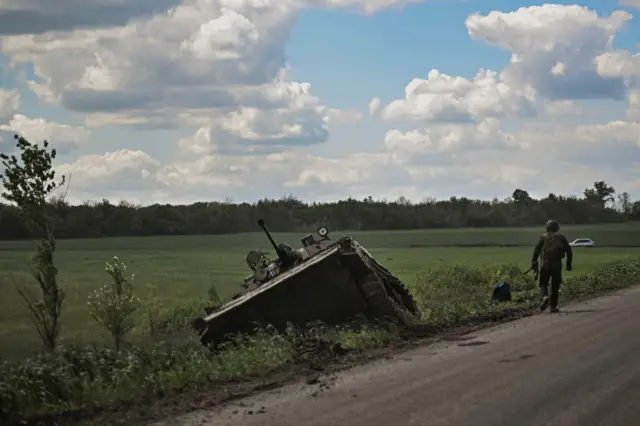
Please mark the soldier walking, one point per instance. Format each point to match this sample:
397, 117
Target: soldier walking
551, 249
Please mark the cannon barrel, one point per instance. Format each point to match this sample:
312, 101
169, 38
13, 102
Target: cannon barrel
282, 255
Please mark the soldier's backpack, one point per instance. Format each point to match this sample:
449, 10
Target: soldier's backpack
552, 248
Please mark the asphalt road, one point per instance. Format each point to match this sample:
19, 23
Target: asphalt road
577, 368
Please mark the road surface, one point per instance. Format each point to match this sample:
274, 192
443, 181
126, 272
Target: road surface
577, 368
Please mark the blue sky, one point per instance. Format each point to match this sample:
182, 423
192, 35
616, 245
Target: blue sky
170, 113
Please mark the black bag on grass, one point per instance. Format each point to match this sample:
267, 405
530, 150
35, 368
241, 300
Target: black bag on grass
502, 293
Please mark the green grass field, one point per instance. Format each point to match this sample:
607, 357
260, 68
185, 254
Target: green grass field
179, 269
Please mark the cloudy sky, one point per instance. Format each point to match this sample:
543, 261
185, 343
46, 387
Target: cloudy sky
185, 100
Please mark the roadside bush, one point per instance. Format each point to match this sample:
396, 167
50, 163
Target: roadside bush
611, 276
450, 295
71, 379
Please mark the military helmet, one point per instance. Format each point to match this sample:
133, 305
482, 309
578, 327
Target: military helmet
552, 225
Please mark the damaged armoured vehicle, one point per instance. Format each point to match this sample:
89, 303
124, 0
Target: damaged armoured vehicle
325, 280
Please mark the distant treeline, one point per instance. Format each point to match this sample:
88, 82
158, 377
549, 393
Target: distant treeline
103, 219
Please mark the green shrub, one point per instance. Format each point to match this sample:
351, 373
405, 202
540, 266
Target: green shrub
449, 295
84, 378
612, 276
113, 305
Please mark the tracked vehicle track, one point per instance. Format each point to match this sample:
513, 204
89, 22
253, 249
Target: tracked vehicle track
387, 298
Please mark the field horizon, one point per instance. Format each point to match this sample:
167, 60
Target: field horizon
625, 234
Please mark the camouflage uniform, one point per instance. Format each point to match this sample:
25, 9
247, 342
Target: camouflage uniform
551, 248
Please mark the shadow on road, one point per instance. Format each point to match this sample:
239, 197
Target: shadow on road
520, 358
475, 343
454, 338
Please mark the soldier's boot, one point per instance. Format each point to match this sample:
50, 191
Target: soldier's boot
554, 310
545, 303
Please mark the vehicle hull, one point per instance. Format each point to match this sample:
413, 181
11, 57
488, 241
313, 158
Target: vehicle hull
333, 286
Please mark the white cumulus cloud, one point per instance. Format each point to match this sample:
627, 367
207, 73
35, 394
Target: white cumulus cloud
218, 66
445, 98
553, 48
620, 63
66, 137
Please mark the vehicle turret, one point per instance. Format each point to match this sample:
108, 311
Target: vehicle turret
285, 254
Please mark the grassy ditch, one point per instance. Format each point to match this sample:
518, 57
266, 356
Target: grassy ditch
89, 379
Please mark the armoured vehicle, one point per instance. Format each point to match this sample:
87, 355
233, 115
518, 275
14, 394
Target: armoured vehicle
325, 280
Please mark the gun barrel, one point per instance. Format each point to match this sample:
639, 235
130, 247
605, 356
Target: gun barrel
268, 234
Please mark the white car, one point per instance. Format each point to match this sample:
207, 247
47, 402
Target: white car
582, 242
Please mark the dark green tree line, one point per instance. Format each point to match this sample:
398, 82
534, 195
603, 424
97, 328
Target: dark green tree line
104, 219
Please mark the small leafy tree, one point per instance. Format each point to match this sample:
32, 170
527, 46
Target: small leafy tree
113, 305
27, 182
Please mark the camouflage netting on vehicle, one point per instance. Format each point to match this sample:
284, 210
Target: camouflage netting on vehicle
339, 281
